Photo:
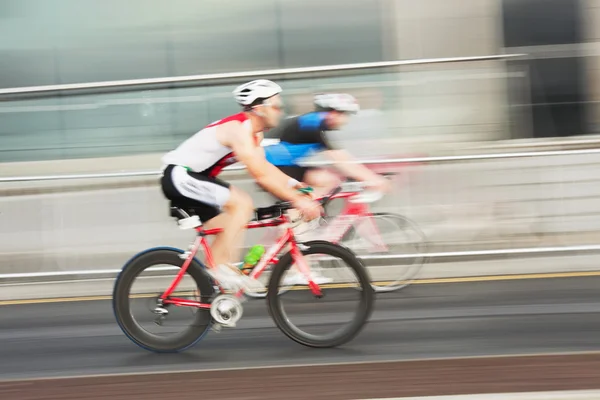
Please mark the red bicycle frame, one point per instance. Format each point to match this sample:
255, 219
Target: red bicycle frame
352, 212
334, 233
270, 257
348, 217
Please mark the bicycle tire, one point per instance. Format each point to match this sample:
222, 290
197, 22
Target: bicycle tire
367, 297
403, 224
121, 304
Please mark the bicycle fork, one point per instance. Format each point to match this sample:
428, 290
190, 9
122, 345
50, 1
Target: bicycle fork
301, 264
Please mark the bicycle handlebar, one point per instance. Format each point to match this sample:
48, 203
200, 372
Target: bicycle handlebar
352, 186
286, 205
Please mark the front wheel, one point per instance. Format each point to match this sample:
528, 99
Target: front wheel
139, 285
352, 287
392, 246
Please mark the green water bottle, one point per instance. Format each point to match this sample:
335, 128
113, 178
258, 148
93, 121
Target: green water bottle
252, 258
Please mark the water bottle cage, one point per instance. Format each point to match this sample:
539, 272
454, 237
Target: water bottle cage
263, 213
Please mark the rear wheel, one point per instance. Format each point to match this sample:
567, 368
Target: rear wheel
154, 270
355, 285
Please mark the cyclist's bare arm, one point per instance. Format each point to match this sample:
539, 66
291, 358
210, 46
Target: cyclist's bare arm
266, 174
346, 163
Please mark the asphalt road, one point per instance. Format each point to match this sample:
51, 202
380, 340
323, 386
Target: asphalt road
422, 321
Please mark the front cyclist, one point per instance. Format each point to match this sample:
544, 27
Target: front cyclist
304, 135
191, 174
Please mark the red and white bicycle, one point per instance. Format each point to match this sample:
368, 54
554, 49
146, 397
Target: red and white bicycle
392, 246
145, 277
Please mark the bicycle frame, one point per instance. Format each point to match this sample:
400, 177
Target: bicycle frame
269, 258
350, 214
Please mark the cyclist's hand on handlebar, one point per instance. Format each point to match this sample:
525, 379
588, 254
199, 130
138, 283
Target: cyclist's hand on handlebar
306, 190
310, 209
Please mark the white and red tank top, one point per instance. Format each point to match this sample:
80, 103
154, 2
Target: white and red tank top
203, 152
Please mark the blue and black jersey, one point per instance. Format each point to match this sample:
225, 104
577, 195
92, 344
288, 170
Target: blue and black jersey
300, 137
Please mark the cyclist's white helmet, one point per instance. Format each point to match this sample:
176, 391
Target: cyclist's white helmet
341, 102
248, 93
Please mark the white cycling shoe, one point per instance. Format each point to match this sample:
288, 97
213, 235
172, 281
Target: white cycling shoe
297, 278
231, 278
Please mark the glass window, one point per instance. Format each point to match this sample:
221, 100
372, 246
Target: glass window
395, 106
316, 32
72, 41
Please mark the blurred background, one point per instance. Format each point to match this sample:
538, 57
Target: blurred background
475, 77
549, 93
489, 109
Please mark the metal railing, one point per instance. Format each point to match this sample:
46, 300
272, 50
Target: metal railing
390, 257
248, 74
439, 159
524, 251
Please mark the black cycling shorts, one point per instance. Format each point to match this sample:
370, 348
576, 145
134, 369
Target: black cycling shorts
205, 195
295, 171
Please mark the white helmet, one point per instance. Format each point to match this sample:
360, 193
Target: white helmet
248, 93
341, 102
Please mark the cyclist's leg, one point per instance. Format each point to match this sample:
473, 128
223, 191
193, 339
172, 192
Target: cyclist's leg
322, 183
237, 212
227, 245
210, 197
321, 179
217, 203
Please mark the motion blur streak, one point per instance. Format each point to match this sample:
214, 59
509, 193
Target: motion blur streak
501, 303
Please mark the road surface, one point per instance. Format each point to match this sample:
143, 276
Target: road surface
422, 321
